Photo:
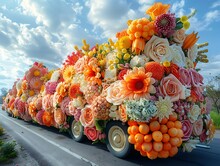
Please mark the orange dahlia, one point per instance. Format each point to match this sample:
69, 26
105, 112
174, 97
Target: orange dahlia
156, 69
157, 9
138, 84
74, 91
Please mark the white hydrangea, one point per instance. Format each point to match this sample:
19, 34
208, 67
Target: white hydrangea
139, 61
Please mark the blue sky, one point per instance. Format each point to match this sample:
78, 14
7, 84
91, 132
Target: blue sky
47, 30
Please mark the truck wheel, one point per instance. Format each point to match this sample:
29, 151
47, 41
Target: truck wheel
117, 139
76, 130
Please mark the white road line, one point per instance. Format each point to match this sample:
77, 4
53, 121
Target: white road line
54, 143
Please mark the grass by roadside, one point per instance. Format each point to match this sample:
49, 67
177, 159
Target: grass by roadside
7, 148
216, 118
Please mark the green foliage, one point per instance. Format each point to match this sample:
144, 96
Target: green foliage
216, 118
1, 131
7, 151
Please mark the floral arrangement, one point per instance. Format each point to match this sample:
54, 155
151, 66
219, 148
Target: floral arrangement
147, 79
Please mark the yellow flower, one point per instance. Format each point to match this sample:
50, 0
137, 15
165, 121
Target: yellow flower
126, 56
68, 73
186, 25
116, 60
31, 93
36, 73
112, 67
123, 50
125, 42
184, 19
119, 55
166, 64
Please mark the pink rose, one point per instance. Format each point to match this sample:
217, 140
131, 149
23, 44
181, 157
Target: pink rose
197, 127
179, 36
172, 87
39, 116
92, 133
203, 136
46, 102
196, 78
21, 107
185, 77
80, 64
197, 92
187, 129
38, 103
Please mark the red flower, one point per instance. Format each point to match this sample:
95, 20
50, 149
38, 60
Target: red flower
74, 91
92, 133
121, 74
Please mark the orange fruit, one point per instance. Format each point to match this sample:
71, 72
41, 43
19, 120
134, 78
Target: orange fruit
173, 117
163, 128
180, 133
147, 146
173, 151
167, 146
180, 142
141, 123
163, 154
144, 128
178, 124
152, 154
170, 124
174, 141
131, 139
139, 138
143, 153
173, 132
137, 146
148, 138
134, 129
132, 123
154, 126
157, 136
158, 146
164, 121
166, 138
129, 130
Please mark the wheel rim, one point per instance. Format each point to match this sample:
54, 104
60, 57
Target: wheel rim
76, 129
117, 139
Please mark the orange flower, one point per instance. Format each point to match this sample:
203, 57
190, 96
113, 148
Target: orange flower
156, 69
61, 89
87, 117
91, 72
47, 119
190, 40
121, 34
122, 113
138, 45
157, 9
74, 91
138, 84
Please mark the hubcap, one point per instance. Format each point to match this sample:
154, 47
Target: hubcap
76, 129
117, 139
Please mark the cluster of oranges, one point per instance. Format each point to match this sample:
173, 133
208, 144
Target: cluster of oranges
141, 28
156, 139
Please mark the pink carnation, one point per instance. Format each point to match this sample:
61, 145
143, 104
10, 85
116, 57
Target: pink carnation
65, 105
187, 129
51, 87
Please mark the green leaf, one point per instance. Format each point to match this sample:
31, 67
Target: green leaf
179, 25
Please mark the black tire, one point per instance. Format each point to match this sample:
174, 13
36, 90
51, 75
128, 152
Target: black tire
117, 139
76, 130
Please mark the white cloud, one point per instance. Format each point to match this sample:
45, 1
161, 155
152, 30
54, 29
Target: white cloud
144, 5
216, 4
109, 16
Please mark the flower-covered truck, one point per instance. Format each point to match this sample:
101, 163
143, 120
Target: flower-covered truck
142, 91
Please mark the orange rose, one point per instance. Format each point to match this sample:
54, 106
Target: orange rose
59, 116
172, 87
157, 9
87, 117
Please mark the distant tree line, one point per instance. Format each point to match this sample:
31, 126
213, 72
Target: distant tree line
3, 93
213, 92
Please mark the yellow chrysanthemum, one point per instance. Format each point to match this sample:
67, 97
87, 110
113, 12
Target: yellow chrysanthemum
68, 73
164, 107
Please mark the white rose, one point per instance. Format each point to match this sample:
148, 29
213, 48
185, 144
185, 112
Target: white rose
78, 102
179, 36
194, 113
178, 56
193, 52
158, 49
139, 61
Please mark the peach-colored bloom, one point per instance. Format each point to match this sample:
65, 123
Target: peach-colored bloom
157, 9
87, 117
80, 64
172, 87
59, 116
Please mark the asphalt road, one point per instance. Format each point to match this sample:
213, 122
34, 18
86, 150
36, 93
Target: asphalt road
49, 147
